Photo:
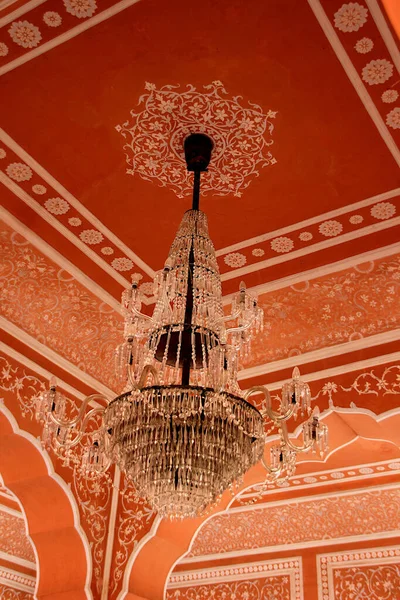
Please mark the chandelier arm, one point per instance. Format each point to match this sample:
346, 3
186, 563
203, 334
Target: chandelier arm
148, 369
80, 414
233, 316
271, 470
304, 448
240, 327
271, 414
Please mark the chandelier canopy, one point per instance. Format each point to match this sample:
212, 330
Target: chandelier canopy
182, 430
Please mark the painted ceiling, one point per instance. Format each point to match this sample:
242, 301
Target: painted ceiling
302, 100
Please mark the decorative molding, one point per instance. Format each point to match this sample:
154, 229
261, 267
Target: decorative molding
256, 241
334, 241
241, 530
17, 560
364, 571
317, 479
327, 269
291, 567
51, 216
111, 535
11, 511
19, 581
322, 353
67, 35
32, 366
155, 135
66, 489
354, 77
18, 12
54, 357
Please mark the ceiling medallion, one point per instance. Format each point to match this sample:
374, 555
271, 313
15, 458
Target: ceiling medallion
181, 430
155, 135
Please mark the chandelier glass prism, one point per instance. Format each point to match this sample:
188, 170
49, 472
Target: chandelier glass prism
182, 431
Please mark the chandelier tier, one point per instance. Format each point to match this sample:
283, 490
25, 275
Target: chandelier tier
182, 431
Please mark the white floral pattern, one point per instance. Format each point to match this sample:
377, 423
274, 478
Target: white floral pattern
122, 264
390, 96
258, 252
235, 259
74, 221
377, 71
351, 17
305, 236
52, 19
80, 8
3, 49
107, 250
39, 189
3, 153
155, 135
282, 244
25, 34
383, 211
364, 45
356, 219
91, 236
19, 172
330, 228
57, 206
393, 118
147, 288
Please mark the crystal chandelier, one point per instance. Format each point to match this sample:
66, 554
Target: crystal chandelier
182, 431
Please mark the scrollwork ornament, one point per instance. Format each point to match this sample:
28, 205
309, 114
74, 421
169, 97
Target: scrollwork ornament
155, 136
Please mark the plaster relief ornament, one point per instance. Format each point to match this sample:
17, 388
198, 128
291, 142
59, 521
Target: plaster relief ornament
377, 71
155, 135
3, 49
330, 228
393, 118
235, 259
57, 206
25, 34
364, 45
19, 172
351, 17
52, 19
75, 221
383, 210
91, 236
39, 189
80, 8
282, 244
390, 96
3, 153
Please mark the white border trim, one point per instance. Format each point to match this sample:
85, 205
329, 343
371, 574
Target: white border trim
22, 562
249, 571
297, 545
12, 581
384, 30
68, 35
354, 77
374, 361
58, 259
277, 260
312, 221
327, 269
57, 359
66, 489
29, 364
392, 335
11, 511
21, 10
111, 534
45, 175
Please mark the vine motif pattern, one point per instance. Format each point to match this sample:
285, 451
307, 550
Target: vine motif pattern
155, 136
133, 519
7, 593
47, 303
13, 538
93, 497
370, 574
259, 589
296, 522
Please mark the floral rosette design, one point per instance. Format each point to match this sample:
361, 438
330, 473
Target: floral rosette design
155, 137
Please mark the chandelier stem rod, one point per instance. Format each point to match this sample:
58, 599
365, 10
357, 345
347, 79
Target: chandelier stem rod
196, 191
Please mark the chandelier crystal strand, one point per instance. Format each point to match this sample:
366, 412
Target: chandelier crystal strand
182, 431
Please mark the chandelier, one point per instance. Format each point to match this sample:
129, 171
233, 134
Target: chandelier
182, 431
